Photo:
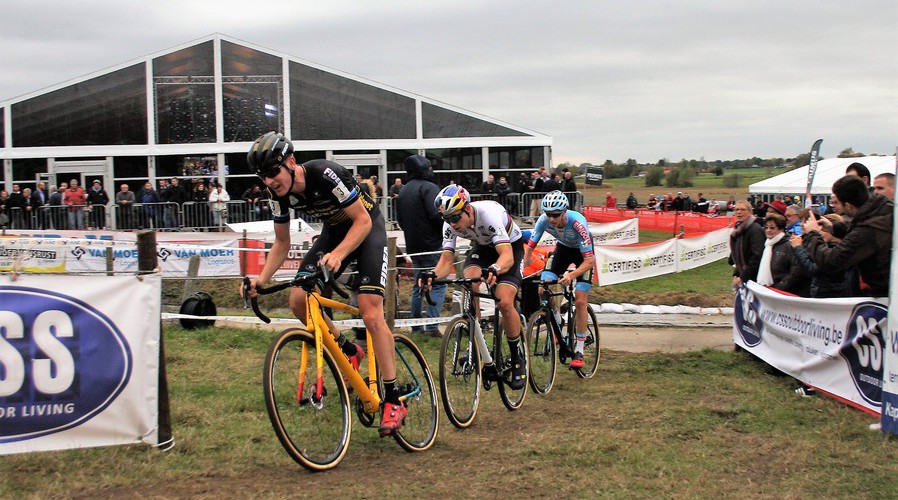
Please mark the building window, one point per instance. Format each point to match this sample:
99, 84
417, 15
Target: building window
184, 94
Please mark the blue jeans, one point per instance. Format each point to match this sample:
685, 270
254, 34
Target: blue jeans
437, 293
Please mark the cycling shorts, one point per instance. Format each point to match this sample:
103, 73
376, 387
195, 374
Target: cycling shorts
560, 260
371, 255
483, 256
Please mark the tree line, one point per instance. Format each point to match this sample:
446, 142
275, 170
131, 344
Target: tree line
681, 174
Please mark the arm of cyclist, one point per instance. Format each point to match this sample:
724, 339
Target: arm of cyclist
443, 268
361, 226
276, 257
588, 263
503, 264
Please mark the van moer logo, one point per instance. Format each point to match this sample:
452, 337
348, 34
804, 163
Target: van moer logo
62, 363
78, 252
863, 349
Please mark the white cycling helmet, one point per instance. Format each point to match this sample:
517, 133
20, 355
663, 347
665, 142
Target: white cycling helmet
451, 200
554, 201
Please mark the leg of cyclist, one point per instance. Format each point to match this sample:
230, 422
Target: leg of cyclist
580, 322
351, 350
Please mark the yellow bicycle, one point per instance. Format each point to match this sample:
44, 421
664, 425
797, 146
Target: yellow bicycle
305, 381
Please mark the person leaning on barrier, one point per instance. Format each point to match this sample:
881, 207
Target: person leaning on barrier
353, 228
823, 284
422, 227
746, 245
867, 244
779, 268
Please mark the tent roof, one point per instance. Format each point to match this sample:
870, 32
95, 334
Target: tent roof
828, 171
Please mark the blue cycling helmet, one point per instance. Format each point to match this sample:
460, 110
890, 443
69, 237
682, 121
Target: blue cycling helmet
451, 200
554, 201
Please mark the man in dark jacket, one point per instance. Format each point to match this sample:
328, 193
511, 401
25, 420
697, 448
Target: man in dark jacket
422, 225
868, 243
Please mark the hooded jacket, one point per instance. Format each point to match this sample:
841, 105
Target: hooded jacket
417, 216
868, 245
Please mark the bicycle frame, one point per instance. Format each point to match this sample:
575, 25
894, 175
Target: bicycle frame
565, 341
470, 311
316, 325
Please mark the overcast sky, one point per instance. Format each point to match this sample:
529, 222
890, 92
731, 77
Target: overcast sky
643, 79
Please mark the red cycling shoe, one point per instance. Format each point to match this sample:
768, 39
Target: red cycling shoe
391, 418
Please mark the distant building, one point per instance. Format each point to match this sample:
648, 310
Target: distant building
193, 111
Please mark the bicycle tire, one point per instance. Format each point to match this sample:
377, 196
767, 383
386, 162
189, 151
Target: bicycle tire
543, 356
420, 428
511, 398
315, 435
460, 377
592, 350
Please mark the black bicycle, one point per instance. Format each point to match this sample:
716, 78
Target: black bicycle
551, 337
467, 363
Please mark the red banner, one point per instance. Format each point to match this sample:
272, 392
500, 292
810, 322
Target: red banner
691, 223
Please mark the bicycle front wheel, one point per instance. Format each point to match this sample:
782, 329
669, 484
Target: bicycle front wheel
543, 359
592, 350
512, 398
314, 428
419, 431
460, 373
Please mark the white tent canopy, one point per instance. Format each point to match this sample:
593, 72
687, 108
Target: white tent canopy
828, 171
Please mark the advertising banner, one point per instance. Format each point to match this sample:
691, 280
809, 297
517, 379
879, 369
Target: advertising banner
33, 256
89, 256
79, 361
833, 345
704, 249
624, 232
621, 264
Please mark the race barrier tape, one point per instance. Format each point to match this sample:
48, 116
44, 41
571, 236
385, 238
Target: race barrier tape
834, 345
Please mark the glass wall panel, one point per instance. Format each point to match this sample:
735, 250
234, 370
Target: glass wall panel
516, 157
441, 123
24, 171
130, 167
252, 92
396, 160
107, 110
326, 106
461, 165
2, 127
184, 93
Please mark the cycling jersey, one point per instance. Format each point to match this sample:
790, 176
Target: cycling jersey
330, 188
574, 234
492, 226
574, 245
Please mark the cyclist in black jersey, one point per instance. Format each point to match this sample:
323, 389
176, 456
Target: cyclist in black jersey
353, 229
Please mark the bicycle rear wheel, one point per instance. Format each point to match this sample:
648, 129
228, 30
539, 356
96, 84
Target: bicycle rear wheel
315, 432
511, 398
592, 350
419, 431
460, 373
543, 360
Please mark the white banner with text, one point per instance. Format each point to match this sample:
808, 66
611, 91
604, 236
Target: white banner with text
833, 345
79, 361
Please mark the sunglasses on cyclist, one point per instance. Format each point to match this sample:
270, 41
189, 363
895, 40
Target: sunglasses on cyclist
452, 219
554, 215
271, 171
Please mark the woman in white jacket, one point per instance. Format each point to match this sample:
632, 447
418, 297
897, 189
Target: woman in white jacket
218, 201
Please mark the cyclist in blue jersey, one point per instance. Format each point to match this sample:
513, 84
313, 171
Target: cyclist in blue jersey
573, 246
353, 229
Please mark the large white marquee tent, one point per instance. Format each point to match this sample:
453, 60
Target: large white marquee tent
828, 171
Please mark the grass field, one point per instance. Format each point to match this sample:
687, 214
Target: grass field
707, 424
710, 185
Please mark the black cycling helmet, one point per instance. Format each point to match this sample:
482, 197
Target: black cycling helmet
268, 153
